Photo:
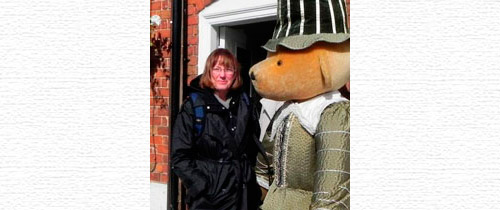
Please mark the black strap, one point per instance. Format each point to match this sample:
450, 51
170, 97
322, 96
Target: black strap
199, 112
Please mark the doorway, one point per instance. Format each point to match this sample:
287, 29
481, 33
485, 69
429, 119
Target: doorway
245, 42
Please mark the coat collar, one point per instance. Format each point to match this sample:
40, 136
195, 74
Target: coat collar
308, 112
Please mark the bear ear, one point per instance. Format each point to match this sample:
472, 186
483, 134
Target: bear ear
326, 66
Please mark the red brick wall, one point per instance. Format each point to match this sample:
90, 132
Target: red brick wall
159, 97
160, 121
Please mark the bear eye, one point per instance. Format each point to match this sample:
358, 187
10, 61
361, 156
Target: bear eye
279, 62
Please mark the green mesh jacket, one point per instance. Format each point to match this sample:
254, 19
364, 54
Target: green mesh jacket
311, 171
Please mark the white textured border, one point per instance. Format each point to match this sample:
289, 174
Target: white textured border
74, 104
425, 104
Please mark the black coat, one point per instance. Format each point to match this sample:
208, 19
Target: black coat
217, 167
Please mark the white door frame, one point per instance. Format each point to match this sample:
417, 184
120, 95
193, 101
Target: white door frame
228, 13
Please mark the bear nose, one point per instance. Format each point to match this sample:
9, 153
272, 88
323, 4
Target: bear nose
252, 76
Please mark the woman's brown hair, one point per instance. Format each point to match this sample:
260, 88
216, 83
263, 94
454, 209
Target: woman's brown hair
228, 60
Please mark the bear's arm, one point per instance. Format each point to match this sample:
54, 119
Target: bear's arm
331, 178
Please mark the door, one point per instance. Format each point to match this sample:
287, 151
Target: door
235, 40
232, 39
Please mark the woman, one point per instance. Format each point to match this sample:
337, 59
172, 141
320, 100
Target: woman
214, 155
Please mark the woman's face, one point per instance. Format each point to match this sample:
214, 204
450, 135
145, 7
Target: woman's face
222, 77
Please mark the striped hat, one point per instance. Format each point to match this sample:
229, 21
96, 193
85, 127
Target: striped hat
304, 22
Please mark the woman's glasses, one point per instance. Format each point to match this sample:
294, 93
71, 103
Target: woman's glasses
219, 70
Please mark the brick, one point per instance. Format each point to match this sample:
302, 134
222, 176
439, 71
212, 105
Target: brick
168, 25
191, 10
163, 131
195, 51
160, 158
195, 30
154, 84
165, 83
155, 121
152, 101
161, 82
161, 73
167, 62
162, 149
193, 60
155, 6
192, 20
164, 121
198, 4
165, 140
165, 14
201, 3
158, 101
192, 40
165, 158
190, 50
166, 5
153, 111
161, 112
154, 177
164, 178
164, 24
153, 130
156, 139
164, 33
192, 70
166, 53
163, 102
164, 91
161, 168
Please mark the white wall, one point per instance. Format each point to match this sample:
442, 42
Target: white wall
158, 196
223, 6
